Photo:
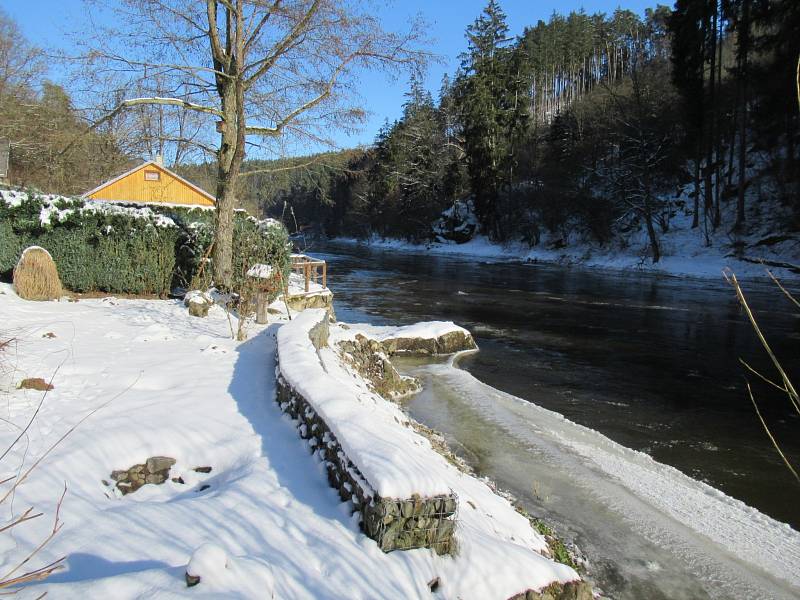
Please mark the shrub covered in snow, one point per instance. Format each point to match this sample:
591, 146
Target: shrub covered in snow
127, 248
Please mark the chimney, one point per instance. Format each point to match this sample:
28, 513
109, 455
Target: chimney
159, 160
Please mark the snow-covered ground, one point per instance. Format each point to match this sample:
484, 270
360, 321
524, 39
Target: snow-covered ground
150, 380
683, 249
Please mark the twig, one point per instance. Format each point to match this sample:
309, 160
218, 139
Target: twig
730, 277
783, 289
769, 433
42, 572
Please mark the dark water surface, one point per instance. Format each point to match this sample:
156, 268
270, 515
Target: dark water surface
650, 361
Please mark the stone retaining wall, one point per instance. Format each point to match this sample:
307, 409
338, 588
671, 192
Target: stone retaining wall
394, 523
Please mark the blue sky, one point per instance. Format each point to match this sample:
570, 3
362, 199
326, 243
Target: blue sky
47, 22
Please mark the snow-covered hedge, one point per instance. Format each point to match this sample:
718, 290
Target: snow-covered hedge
127, 248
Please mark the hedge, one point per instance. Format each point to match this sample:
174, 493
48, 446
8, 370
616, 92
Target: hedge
129, 248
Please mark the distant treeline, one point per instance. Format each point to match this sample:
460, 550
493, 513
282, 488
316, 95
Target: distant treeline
585, 124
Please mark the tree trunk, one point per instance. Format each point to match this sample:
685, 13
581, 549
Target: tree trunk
229, 163
744, 41
651, 233
708, 203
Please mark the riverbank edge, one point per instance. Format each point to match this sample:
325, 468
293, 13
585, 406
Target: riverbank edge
569, 555
708, 267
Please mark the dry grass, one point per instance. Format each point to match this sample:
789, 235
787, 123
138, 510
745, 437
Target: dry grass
785, 385
36, 276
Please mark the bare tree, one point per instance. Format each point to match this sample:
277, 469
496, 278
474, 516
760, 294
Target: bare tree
21, 64
260, 69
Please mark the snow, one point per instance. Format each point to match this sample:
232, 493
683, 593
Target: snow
150, 380
426, 330
260, 271
683, 250
297, 286
376, 436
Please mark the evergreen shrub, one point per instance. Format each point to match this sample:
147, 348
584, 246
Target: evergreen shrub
129, 248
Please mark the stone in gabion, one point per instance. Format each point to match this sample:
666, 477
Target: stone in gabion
395, 524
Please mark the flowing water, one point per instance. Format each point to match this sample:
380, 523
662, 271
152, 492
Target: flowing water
643, 367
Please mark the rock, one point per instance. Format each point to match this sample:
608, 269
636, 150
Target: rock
119, 475
35, 383
202, 469
576, 590
178, 480
206, 562
49, 335
199, 309
573, 590
198, 303
372, 364
159, 463
155, 478
301, 302
447, 343
319, 333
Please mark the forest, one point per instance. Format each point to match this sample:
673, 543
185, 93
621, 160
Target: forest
583, 127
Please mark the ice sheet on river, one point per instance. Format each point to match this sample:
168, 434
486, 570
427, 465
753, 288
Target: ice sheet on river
734, 550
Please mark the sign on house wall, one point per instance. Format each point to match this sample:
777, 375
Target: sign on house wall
5, 148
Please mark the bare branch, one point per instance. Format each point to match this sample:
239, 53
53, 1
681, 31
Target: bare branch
280, 48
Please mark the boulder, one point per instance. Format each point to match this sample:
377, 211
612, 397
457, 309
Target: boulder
198, 303
447, 343
159, 463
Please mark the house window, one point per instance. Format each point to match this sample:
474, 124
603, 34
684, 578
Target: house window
152, 176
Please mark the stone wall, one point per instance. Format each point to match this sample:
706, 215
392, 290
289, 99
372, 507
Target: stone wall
394, 523
323, 299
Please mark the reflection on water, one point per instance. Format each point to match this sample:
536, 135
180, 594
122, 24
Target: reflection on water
650, 361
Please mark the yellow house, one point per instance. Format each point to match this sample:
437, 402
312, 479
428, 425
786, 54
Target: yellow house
151, 182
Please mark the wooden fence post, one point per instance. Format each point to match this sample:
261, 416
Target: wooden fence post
261, 307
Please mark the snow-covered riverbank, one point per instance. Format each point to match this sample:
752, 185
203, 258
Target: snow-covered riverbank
684, 252
152, 381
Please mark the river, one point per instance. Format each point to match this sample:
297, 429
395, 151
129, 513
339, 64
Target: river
651, 362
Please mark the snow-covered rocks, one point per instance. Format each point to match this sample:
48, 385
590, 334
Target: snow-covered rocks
427, 338
208, 561
372, 456
154, 470
260, 271
198, 303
